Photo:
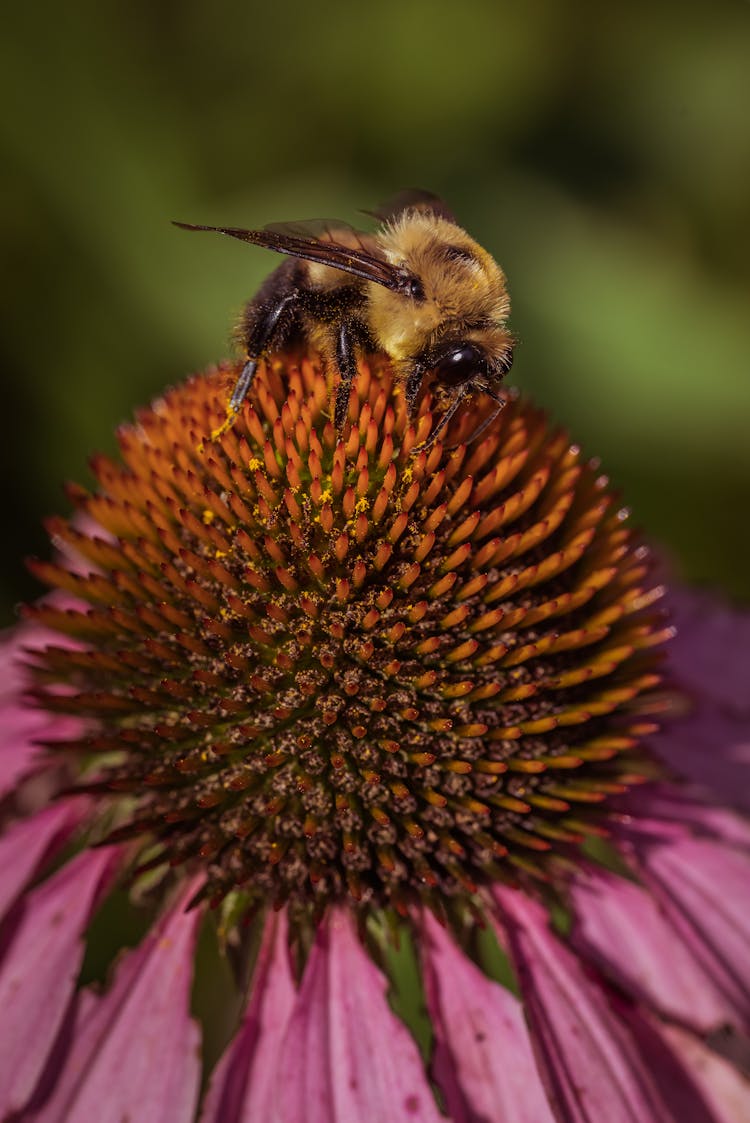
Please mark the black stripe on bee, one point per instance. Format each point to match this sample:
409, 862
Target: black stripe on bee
458, 253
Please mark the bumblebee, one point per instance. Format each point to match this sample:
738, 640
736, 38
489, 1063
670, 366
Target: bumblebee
418, 288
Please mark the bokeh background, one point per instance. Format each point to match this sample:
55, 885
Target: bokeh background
601, 152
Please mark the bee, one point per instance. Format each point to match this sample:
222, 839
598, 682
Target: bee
418, 288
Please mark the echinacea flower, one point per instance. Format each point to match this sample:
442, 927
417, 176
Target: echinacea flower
337, 698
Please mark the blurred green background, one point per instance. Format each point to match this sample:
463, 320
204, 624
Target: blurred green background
601, 152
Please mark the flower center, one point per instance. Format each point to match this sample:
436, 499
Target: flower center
322, 667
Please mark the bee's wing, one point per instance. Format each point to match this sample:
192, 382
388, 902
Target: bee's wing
412, 199
325, 230
325, 243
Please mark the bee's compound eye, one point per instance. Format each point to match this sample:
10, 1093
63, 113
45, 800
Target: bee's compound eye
459, 365
409, 284
416, 288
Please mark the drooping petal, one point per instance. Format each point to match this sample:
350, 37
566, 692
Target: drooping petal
621, 928
21, 730
13, 643
711, 748
244, 1084
590, 1063
483, 1060
39, 969
346, 1057
703, 886
28, 843
696, 1084
710, 660
135, 1052
710, 653
725, 1091
23, 726
679, 808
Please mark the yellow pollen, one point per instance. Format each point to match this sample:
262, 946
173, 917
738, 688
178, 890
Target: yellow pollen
208, 516
254, 464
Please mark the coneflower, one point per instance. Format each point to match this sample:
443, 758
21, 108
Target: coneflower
337, 692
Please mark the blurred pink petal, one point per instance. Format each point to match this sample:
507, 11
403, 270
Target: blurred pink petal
244, 1084
14, 677
710, 660
135, 1053
711, 651
27, 844
724, 1090
711, 748
592, 1067
346, 1058
703, 886
621, 929
483, 1061
40, 966
21, 725
676, 808
17, 643
697, 1085
20, 729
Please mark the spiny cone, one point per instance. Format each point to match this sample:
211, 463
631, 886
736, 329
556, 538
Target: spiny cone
320, 668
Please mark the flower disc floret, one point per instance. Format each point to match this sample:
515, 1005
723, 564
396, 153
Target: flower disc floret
320, 668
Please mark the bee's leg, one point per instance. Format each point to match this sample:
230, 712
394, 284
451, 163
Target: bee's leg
447, 416
265, 330
412, 388
346, 360
500, 402
241, 386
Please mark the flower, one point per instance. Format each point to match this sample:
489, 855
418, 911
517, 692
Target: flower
329, 698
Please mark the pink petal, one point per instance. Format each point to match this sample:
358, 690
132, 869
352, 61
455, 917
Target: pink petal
346, 1058
710, 660
621, 929
13, 677
676, 809
703, 886
27, 844
589, 1061
136, 1052
15, 645
21, 724
711, 651
39, 970
483, 1060
244, 1084
697, 1086
20, 729
724, 1090
712, 749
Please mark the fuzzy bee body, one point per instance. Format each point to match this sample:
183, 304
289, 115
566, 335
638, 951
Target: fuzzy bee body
419, 288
